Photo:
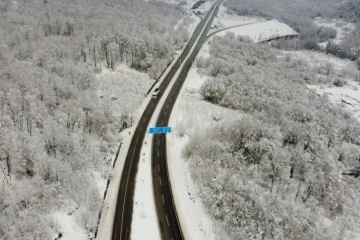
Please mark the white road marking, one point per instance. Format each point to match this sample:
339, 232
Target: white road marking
160, 181
158, 154
162, 196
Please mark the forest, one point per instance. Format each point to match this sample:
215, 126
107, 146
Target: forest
277, 172
54, 130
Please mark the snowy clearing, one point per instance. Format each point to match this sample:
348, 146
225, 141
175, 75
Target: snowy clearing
347, 96
225, 20
342, 28
262, 31
68, 226
115, 87
144, 222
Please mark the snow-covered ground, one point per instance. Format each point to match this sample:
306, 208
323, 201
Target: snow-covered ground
317, 59
204, 7
144, 222
256, 28
68, 226
225, 20
191, 112
144, 215
347, 96
342, 28
261, 31
115, 87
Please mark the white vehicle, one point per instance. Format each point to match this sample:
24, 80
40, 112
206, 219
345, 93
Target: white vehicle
155, 93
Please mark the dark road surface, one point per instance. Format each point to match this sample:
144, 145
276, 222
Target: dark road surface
168, 221
169, 225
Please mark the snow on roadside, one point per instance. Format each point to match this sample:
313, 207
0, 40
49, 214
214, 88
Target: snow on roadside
100, 182
191, 113
321, 59
193, 25
114, 87
205, 6
348, 96
144, 220
261, 31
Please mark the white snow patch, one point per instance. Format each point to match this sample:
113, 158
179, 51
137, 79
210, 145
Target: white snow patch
261, 31
225, 20
348, 96
118, 91
100, 182
68, 226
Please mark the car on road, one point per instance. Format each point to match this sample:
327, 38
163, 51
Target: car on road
155, 93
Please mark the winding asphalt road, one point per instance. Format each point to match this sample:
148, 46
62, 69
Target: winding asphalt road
168, 222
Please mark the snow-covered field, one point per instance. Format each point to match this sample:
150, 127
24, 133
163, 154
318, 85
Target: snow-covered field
347, 96
187, 4
144, 215
256, 28
190, 113
261, 31
317, 59
225, 20
68, 226
205, 6
342, 28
